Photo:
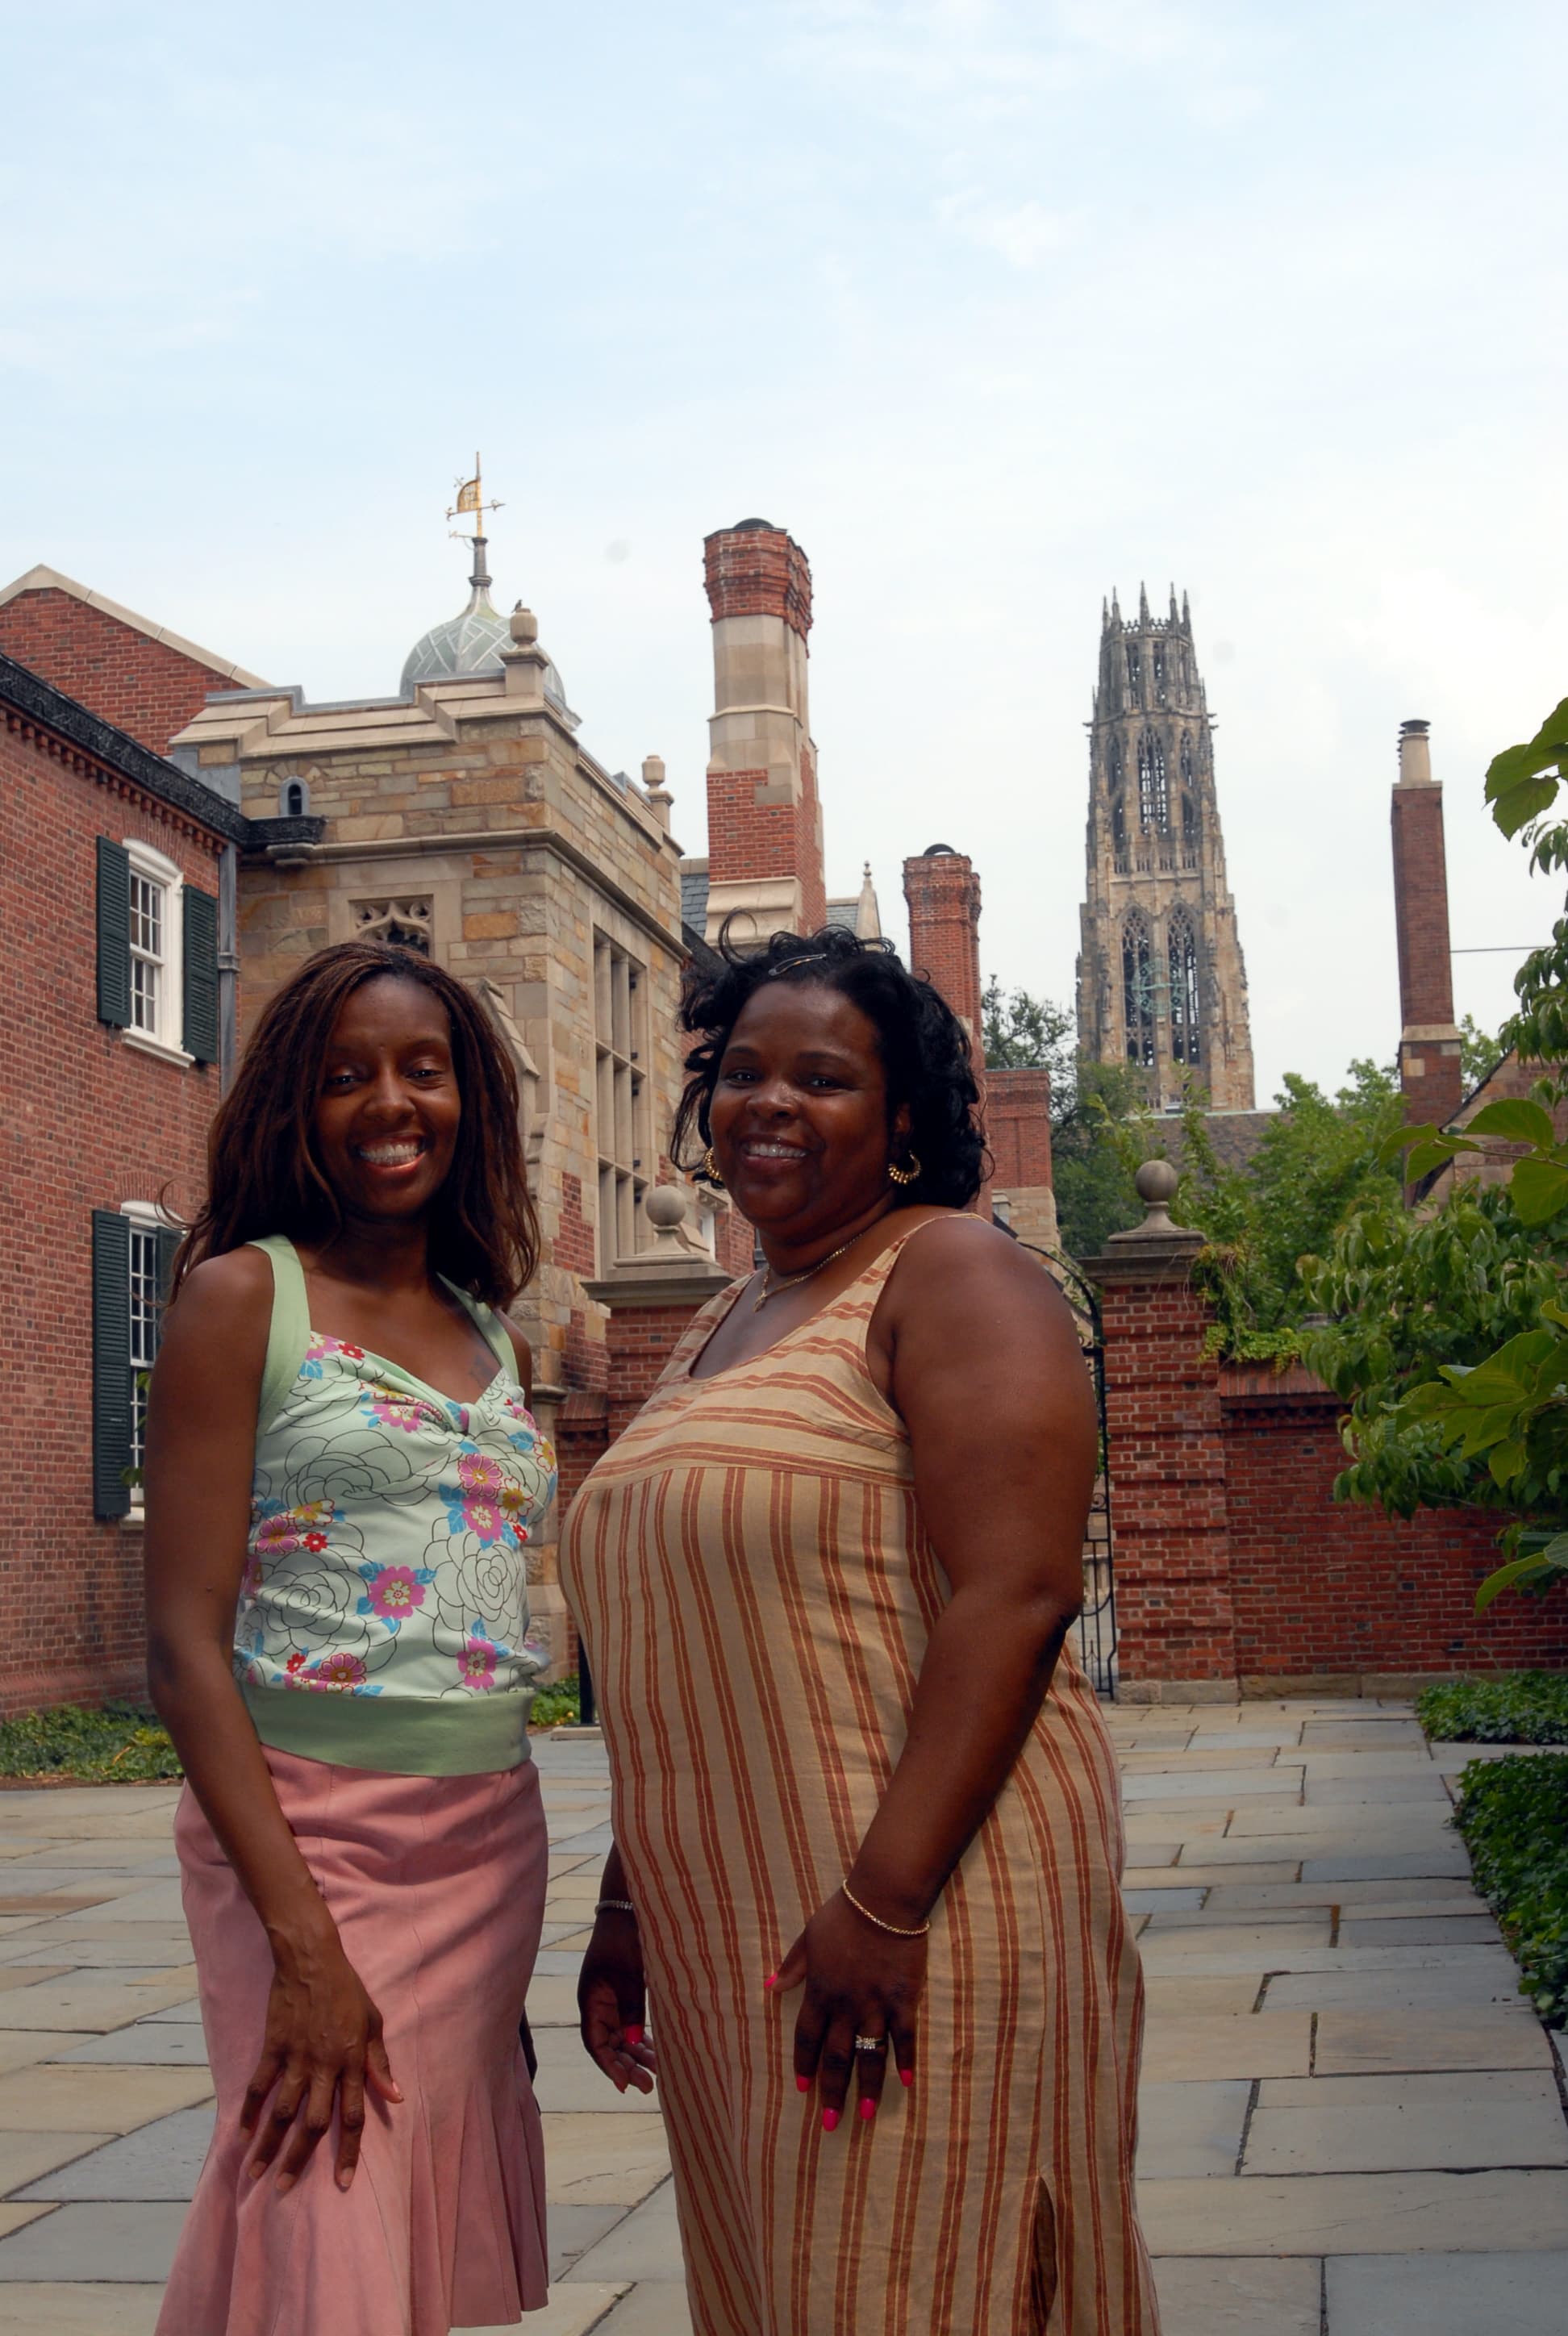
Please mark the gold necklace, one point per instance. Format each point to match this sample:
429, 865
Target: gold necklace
772, 1289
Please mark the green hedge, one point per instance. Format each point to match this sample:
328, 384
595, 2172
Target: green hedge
555, 1706
1514, 1817
122, 1744
1511, 1707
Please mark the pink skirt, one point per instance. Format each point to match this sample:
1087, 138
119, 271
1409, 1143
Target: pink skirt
437, 1887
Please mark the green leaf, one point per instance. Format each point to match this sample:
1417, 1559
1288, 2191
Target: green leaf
1519, 1570
1507, 1462
1518, 1122
1539, 1189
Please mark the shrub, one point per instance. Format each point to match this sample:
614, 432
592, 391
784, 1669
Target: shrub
555, 1706
1514, 1708
1514, 1817
120, 1743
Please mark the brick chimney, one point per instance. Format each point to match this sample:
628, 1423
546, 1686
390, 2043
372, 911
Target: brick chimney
1430, 1076
764, 820
944, 897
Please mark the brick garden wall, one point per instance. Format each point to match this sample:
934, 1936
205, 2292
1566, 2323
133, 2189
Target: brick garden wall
120, 1127
1333, 1587
1236, 1571
143, 685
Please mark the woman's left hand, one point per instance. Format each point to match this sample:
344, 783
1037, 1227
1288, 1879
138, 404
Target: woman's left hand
859, 1982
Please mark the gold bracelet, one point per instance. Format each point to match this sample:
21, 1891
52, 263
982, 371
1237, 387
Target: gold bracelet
891, 1928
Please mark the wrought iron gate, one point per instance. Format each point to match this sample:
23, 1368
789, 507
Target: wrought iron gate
1095, 1632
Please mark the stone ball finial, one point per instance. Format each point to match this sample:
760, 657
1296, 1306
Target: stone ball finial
524, 627
1156, 1182
665, 1206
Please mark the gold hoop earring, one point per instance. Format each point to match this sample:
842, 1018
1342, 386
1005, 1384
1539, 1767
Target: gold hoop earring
905, 1175
710, 1168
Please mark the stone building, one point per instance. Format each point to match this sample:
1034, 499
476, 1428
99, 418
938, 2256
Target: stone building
1160, 980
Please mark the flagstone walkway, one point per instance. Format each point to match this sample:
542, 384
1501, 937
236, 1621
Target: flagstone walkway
1352, 2126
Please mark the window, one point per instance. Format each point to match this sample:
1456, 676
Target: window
1134, 673
621, 1129
1186, 760
157, 953
1189, 833
295, 801
149, 970
1159, 674
1119, 829
1154, 790
406, 921
1138, 990
133, 1253
1184, 955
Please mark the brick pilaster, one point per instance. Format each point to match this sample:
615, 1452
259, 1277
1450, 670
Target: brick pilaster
1430, 1074
943, 893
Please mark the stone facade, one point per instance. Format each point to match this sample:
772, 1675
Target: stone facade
1160, 980
468, 821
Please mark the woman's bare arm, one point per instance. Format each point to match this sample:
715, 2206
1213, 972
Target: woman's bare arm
200, 1458
987, 1372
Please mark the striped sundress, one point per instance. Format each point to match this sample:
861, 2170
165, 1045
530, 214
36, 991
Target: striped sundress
755, 1589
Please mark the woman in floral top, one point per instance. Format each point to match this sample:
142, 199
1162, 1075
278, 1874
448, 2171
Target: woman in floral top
343, 1475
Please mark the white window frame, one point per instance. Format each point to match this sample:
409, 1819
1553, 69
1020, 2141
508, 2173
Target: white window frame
623, 1125
147, 1220
165, 1039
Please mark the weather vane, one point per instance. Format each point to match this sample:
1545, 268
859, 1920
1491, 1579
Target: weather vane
471, 498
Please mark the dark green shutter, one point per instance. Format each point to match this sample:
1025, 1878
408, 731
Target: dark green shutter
201, 962
113, 933
111, 1362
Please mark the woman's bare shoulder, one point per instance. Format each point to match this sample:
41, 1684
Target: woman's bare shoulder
228, 1296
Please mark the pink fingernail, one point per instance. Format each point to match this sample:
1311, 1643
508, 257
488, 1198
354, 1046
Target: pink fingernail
802, 2084
868, 2110
772, 1980
830, 2120
905, 2076
633, 2033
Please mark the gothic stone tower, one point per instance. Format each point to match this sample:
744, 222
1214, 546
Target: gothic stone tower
1161, 981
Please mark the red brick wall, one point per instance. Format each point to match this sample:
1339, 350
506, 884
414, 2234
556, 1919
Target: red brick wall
944, 894
1333, 1587
573, 1245
1019, 1126
89, 1122
641, 1341
734, 1243
1167, 1469
1233, 1562
141, 686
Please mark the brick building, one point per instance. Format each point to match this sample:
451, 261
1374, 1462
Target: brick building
112, 865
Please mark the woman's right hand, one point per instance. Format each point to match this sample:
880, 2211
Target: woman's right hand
323, 2048
612, 2002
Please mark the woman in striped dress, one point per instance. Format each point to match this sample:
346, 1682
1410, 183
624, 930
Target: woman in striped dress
865, 1809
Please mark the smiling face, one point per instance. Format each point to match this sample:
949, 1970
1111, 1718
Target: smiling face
799, 1113
389, 1108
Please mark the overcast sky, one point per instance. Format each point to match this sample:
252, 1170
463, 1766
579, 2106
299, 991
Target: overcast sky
994, 306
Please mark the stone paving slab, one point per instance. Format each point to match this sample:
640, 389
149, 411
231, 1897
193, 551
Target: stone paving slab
1255, 2296
646, 2245
103, 2100
1360, 2214
110, 2241
1498, 2295
1328, 2135
161, 2160
1502, 2035
1190, 2130
1206, 2045
65, 2309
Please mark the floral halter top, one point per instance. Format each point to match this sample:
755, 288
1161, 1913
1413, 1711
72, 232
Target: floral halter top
383, 1610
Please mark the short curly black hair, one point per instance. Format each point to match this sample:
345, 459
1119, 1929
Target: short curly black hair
924, 1051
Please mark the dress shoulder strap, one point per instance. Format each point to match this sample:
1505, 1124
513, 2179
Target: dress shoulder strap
288, 1336
489, 1326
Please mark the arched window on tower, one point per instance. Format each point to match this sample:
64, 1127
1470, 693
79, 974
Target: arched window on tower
1138, 989
1186, 1041
1134, 673
1186, 760
1159, 674
1119, 830
1189, 833
1154, 788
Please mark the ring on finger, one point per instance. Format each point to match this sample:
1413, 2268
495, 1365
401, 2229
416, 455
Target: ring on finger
870, 2043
